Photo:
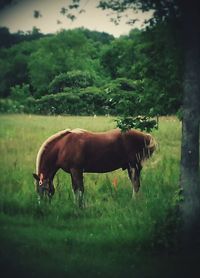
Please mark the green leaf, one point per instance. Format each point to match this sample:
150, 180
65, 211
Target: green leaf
144, 123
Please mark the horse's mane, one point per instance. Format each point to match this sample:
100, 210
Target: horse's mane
52, 138
152, 144
150, 147
147, 142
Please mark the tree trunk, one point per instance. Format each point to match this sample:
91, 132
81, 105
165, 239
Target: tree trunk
189, 178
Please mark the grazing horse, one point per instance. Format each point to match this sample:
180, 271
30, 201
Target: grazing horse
77, 151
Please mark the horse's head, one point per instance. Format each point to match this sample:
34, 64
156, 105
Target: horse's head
44, 186
145, 148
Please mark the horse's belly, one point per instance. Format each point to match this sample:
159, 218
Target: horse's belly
105, 159
103, 170
102, 167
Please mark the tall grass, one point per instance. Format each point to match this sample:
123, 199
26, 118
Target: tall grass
105, 237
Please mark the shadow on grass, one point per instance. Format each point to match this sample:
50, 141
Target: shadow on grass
35, 249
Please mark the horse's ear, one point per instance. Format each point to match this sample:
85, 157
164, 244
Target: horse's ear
36, 177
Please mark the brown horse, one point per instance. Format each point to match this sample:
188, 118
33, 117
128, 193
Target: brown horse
78, 151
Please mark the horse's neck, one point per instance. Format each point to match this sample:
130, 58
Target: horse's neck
47, 165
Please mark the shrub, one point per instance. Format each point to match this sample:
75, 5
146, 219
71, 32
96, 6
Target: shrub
10, 106
71, 79
74, 103
20, 93
61, 103
85, 101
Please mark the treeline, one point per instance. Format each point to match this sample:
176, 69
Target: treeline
86, 72
8, 39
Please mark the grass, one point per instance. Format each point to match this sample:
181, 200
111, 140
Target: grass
113, 236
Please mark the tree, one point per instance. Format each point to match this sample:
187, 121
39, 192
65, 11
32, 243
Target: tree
181, 15
190, 123
158, 69
118, 58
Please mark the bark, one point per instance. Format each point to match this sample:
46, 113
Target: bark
189, 179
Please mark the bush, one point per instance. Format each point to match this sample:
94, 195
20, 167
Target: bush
53, 104
85, 101
20, 93
122, 97
10, 106
73, 103
71, 79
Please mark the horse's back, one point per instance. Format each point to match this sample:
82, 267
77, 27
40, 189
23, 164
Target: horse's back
95, 152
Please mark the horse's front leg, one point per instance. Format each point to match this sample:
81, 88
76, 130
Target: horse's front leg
78, 186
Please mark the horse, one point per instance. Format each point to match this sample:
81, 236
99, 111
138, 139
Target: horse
80, 151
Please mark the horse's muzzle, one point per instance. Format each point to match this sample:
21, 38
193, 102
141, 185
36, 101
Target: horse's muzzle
43, 191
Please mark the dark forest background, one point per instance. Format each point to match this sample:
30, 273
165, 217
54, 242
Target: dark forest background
83, 72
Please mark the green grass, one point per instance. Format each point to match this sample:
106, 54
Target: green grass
113, 236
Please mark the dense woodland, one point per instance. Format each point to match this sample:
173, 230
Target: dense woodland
82, 72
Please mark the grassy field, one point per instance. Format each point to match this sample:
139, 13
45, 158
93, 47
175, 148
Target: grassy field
113, 236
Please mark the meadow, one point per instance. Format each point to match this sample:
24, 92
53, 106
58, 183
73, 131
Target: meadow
114, 235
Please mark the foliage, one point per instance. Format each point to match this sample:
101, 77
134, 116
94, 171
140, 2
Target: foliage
159, 70
99, 37
120, 84
38, 62
143, 123
20, 93
87, 101
8, 39
71, 79
136, 74
111, 99
118, 58
10, 106
162, 11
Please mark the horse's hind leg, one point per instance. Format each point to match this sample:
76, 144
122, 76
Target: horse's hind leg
77, 184
131, 173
